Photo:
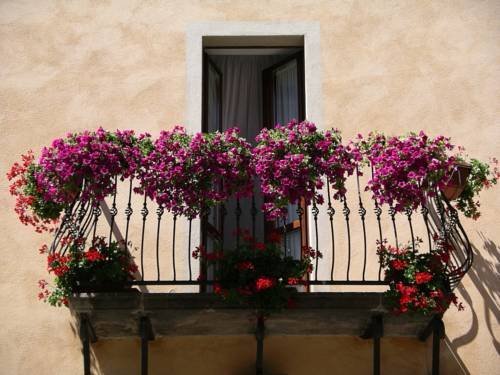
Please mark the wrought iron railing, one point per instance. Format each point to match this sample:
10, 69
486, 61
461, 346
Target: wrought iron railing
344, 231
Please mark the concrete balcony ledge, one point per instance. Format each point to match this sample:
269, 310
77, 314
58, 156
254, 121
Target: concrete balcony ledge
117, 315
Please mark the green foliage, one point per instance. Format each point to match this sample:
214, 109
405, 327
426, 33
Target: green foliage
482, 175
417, 281
43, 208
100, 267
257, 275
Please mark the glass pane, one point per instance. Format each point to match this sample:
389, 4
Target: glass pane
286, 96
214, 99
286, 101
293, 244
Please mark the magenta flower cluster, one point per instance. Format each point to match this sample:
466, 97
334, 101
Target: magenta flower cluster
407, 169
88, 159
189, 174
291, 162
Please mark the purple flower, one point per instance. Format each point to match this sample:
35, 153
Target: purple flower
292, 161
406, 169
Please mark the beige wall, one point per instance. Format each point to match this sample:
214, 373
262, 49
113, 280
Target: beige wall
386, 65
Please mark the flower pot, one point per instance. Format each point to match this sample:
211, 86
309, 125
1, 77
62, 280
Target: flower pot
457, 182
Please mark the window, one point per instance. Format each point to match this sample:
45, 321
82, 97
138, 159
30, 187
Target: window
251, 87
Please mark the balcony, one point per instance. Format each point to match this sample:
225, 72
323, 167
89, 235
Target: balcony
344, 295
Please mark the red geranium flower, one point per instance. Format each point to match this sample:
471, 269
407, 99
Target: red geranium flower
93, 255
422, 277
263, 283
218, 289
398, 264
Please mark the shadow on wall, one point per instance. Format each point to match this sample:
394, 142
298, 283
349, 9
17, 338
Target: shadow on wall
293, 356
484, 274
180, 355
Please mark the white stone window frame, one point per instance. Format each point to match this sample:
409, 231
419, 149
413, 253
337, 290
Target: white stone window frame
310, 31
194, 65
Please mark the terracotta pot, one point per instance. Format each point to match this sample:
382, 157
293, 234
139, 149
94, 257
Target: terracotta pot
457, 182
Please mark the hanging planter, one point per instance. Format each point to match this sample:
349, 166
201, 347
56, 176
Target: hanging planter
456, 184
406, 169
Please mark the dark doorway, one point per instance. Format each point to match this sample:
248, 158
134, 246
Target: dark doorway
250, 88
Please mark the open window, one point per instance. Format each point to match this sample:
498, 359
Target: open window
248, 88
283, 101
213, 223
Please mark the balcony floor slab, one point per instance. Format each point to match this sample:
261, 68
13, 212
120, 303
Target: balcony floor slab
117, 315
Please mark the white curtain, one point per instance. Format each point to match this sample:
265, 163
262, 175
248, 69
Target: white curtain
242, 91
286, 95
213, 99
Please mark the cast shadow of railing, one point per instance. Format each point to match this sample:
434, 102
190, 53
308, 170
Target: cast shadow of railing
484, 275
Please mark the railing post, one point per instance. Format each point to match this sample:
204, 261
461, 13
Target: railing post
436, 327
437, 335
86, 336
146, 332
375, 331
259, 335
378, 332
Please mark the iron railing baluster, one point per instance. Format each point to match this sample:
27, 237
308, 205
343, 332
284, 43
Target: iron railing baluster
346, 211
392, 214
173, 247
190, 220
362, 214
331, 211
315, 212
159, 213
144, 213
408, 213
223, 214
97, 213
113, 212
128, 211
238, 212
253, 213
425, 215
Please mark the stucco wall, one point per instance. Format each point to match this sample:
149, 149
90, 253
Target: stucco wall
386, 65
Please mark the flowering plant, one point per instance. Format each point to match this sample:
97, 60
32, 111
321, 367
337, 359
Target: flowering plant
31, 206
95, 158
417, 281
101, 266
188, 174
44, 189
256, 274
482, 176
291, 161
407, 169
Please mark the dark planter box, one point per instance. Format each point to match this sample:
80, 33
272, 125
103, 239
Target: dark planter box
86, 287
